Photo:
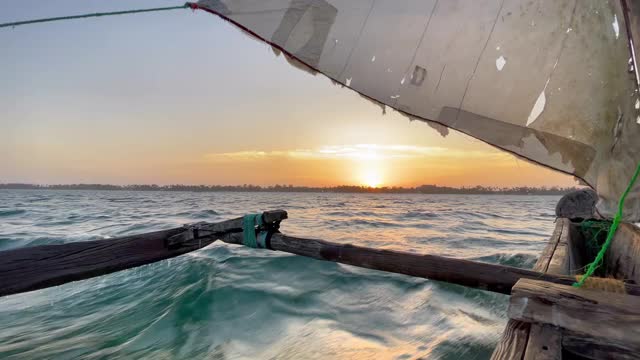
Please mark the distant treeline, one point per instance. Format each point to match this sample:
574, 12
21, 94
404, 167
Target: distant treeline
424, 189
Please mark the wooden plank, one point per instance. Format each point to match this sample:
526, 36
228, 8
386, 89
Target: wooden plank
545, 343
610, 316
623, 257
545, 257
515, 338
513, 342
598, 348
37, 267
559, 263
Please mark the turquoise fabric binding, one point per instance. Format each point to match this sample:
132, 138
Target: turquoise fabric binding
249, 223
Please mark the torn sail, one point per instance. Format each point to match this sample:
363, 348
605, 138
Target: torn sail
548, 80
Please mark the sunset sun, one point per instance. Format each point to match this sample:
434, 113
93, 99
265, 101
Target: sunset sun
371, 177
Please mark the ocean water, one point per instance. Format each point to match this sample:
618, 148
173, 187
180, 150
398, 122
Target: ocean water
230, 302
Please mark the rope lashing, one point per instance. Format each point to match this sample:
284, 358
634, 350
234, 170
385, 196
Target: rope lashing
611, 232
603, 284
35, 21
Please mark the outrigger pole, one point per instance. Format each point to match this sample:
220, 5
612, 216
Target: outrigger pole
31, 268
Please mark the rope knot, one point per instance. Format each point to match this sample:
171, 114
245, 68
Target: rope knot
192, 6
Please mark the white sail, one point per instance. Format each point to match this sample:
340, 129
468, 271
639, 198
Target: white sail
548, 80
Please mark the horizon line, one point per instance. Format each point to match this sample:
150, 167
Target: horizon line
425, 188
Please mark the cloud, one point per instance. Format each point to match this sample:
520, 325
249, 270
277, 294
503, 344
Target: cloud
361, 152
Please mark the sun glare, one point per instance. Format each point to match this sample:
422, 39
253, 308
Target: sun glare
371, 178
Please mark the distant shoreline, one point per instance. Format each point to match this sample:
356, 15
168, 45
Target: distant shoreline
423, 189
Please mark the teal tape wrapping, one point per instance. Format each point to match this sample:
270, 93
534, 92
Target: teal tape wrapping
262, 239
249, 223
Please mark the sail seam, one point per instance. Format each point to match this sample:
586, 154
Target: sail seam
364, 24
473, 74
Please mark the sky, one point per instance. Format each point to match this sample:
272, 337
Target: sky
183, 97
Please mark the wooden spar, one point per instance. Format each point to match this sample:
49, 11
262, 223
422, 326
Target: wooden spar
38, 267
484, 276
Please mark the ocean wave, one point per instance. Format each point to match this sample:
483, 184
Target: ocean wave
418, 214
12, 212
235, 302
520, 260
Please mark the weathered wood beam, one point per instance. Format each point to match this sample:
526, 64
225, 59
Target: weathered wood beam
513, 341
484, 276
559, 262
37, 267
599, 314
545, 343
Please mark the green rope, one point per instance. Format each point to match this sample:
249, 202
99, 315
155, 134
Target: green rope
612, 230
17, 23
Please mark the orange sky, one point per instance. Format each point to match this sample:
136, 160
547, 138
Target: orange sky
145, 99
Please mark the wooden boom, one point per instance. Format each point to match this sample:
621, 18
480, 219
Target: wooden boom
38, 267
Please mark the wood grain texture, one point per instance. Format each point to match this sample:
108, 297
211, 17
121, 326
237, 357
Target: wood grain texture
37, 267
513, 342
545, 343
615, 317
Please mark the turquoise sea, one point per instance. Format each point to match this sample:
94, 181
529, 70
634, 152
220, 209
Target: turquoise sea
230, 302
